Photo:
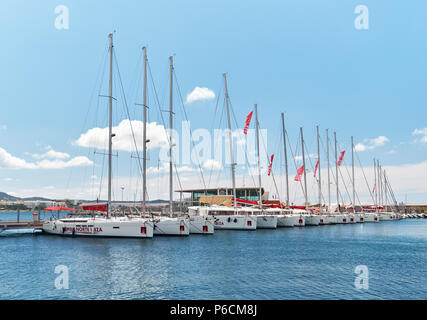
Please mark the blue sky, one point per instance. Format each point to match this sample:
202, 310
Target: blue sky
305, 58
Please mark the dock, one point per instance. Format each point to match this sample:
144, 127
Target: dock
9, 225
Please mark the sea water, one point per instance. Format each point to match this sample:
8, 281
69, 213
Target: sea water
292, 263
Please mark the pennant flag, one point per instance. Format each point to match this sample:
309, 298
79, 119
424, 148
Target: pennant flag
299, 174
247, 123
271, 163
315, 168
341, 157
373, 190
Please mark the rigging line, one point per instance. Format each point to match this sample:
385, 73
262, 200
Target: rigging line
244, 150
272, 172
340, 196
293, 157
366, 180
316, 179
127, 112
191, 134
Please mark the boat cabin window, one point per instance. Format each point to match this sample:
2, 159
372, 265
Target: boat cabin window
221, 212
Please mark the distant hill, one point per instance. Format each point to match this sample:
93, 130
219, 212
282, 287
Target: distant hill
7, 197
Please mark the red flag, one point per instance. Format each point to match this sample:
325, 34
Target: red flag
341, 157
315, 168
374, 188
247, 123
271, 163
299, 174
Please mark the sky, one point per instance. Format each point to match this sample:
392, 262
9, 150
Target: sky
308, 59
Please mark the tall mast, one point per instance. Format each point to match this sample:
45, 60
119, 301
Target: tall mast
352, 172
380, 183
375, 185
286, 160
110, 125
233, 178
144, 136
257, 146
318, 169
329, 178
170, 134
336, 172
305, 175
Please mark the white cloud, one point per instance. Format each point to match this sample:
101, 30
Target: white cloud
371, 143
8, 161
422, 133
51, 154
123, 140
212, 165
3, 127
200, 94
165, 168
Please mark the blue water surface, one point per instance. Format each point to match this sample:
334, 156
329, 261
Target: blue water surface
295, 263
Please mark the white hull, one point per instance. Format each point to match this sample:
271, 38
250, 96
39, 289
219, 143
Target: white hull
371, 217
121, 227
352, 218
235, 222
312, 220
286, 220
164, 226
331, 219
323, 220
386, 216
342, 219
201, 225
266, 222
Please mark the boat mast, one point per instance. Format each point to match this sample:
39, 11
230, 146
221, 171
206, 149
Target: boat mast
110, 125
329, 178
259, 164
233, 178
305, 174
336, 172
318, 169
352, 172
144, 136
286, 160
375, 185
170, 134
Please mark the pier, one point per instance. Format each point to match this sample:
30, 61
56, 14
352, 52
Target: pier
9, 225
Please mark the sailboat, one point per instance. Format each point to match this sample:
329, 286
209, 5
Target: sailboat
228, 218
265, 219
99, 225
166, 226
287, 217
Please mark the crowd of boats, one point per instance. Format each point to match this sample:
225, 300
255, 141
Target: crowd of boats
199, 219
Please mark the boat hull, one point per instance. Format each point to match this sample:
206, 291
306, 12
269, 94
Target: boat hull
312, 220
201, 225
285, 220
266, 222
171, 227
117, 228
235, 222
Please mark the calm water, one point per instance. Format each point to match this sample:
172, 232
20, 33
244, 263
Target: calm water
296, 263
